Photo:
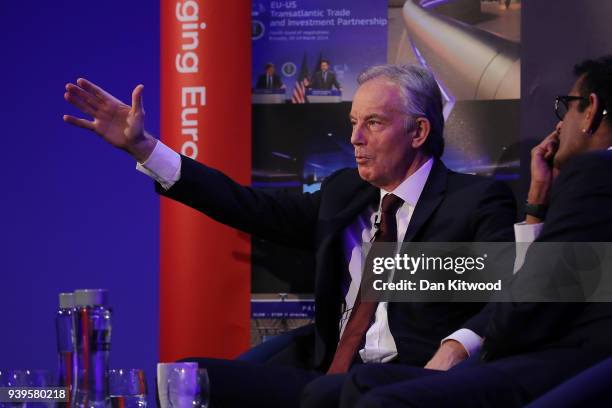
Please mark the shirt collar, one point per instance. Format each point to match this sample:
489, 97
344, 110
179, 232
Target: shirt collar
410, 189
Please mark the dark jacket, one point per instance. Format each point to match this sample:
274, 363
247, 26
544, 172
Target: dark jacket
452, 207
330, 81
262, 82
580, 211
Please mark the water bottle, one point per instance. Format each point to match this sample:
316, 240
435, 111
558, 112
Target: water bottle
93, 336
64, 326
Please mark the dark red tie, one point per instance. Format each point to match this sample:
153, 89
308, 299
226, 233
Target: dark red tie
362, 312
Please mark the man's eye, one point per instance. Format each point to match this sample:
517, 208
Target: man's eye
374, 123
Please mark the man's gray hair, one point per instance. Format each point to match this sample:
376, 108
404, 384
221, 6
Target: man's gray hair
421, 95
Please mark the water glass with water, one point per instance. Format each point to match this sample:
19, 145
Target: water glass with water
127, 388
182, 385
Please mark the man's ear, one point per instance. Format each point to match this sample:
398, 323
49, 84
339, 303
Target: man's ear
593, 114
422, 127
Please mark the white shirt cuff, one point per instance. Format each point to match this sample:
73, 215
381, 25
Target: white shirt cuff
468, 339
163, 165
524, 232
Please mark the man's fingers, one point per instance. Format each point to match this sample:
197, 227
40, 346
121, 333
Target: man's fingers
93, 89
551, 149
548, 155
85, 124
80, 104
538, 151
137, 99
551, 143
83, 95
547, 147
552, 136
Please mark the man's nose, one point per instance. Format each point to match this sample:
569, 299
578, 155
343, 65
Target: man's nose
357, 135
558, 127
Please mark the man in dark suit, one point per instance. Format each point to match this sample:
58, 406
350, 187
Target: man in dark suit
324, 78
269, 79
398, 143
529, 347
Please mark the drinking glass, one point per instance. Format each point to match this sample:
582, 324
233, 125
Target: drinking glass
182, 385
127, 388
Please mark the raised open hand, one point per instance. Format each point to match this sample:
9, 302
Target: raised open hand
119, 124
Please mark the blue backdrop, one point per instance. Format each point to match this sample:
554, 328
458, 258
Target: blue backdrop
74, 212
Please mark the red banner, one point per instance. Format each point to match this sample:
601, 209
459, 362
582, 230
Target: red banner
206, 115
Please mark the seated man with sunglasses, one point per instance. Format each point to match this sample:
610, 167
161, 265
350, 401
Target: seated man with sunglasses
528, 348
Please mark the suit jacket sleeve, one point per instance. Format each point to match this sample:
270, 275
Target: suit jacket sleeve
278, 82
289, 219
261, 82
580, 211
315, 81
335, 81
494, 222
495, 215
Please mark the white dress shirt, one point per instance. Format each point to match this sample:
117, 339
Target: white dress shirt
163, 165
379, 344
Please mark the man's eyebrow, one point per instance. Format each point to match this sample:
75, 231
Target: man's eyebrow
376, 116
370, 116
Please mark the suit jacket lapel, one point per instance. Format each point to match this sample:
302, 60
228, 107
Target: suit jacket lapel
369, 195
430, 198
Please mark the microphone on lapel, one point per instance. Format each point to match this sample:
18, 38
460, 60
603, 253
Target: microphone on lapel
376, 226
377, 221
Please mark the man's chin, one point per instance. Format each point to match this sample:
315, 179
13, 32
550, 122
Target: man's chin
559, 160
365, 173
